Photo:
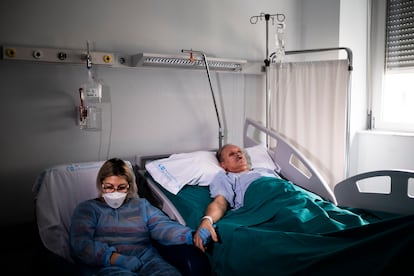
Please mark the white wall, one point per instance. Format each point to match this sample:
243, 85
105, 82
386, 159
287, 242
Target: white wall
319, 24
151, 111
385, 151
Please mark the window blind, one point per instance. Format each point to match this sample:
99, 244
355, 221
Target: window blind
400, 34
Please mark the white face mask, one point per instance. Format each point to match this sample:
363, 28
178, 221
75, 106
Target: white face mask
114, 199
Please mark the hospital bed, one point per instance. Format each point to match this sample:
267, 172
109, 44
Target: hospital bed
249, 244
58, 190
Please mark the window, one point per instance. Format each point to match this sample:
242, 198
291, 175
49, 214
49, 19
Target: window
392, 61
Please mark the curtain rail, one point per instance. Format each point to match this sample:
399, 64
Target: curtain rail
346, 49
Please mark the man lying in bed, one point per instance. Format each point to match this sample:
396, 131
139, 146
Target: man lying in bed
270, 226
229, 187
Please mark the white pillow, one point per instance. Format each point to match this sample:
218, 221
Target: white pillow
178, 170
199, 167
259, 157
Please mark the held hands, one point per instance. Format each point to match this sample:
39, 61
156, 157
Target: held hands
203, 234
131, 263
206, 233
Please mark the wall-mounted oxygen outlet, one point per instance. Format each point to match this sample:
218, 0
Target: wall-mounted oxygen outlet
10, 52
56, 55
62, 56
37, 54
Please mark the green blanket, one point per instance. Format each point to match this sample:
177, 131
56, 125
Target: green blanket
283, 229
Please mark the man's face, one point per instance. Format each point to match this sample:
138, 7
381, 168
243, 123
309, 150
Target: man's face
233, 159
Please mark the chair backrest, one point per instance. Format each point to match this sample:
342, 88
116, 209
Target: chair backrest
57, 192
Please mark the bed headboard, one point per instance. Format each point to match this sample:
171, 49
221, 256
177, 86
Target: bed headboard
291, 164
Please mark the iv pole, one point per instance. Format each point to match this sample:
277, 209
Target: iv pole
191, 52
253, 20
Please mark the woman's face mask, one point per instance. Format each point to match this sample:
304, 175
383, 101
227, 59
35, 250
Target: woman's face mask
114, 199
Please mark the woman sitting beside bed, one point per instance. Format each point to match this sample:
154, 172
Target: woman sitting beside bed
113, 233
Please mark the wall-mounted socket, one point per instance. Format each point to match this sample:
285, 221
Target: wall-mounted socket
56, 55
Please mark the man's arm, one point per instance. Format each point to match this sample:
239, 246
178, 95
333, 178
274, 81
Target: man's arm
216, 210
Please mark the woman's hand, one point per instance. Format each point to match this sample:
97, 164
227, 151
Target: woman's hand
200, 239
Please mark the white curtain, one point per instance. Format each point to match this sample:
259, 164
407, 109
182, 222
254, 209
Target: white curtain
308, 107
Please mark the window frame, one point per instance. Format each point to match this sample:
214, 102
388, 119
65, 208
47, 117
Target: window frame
377, 71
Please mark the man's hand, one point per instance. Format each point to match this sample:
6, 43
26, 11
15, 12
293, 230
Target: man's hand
215, 211
200, 236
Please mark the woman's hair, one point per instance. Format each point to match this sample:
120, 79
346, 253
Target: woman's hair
117, 167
